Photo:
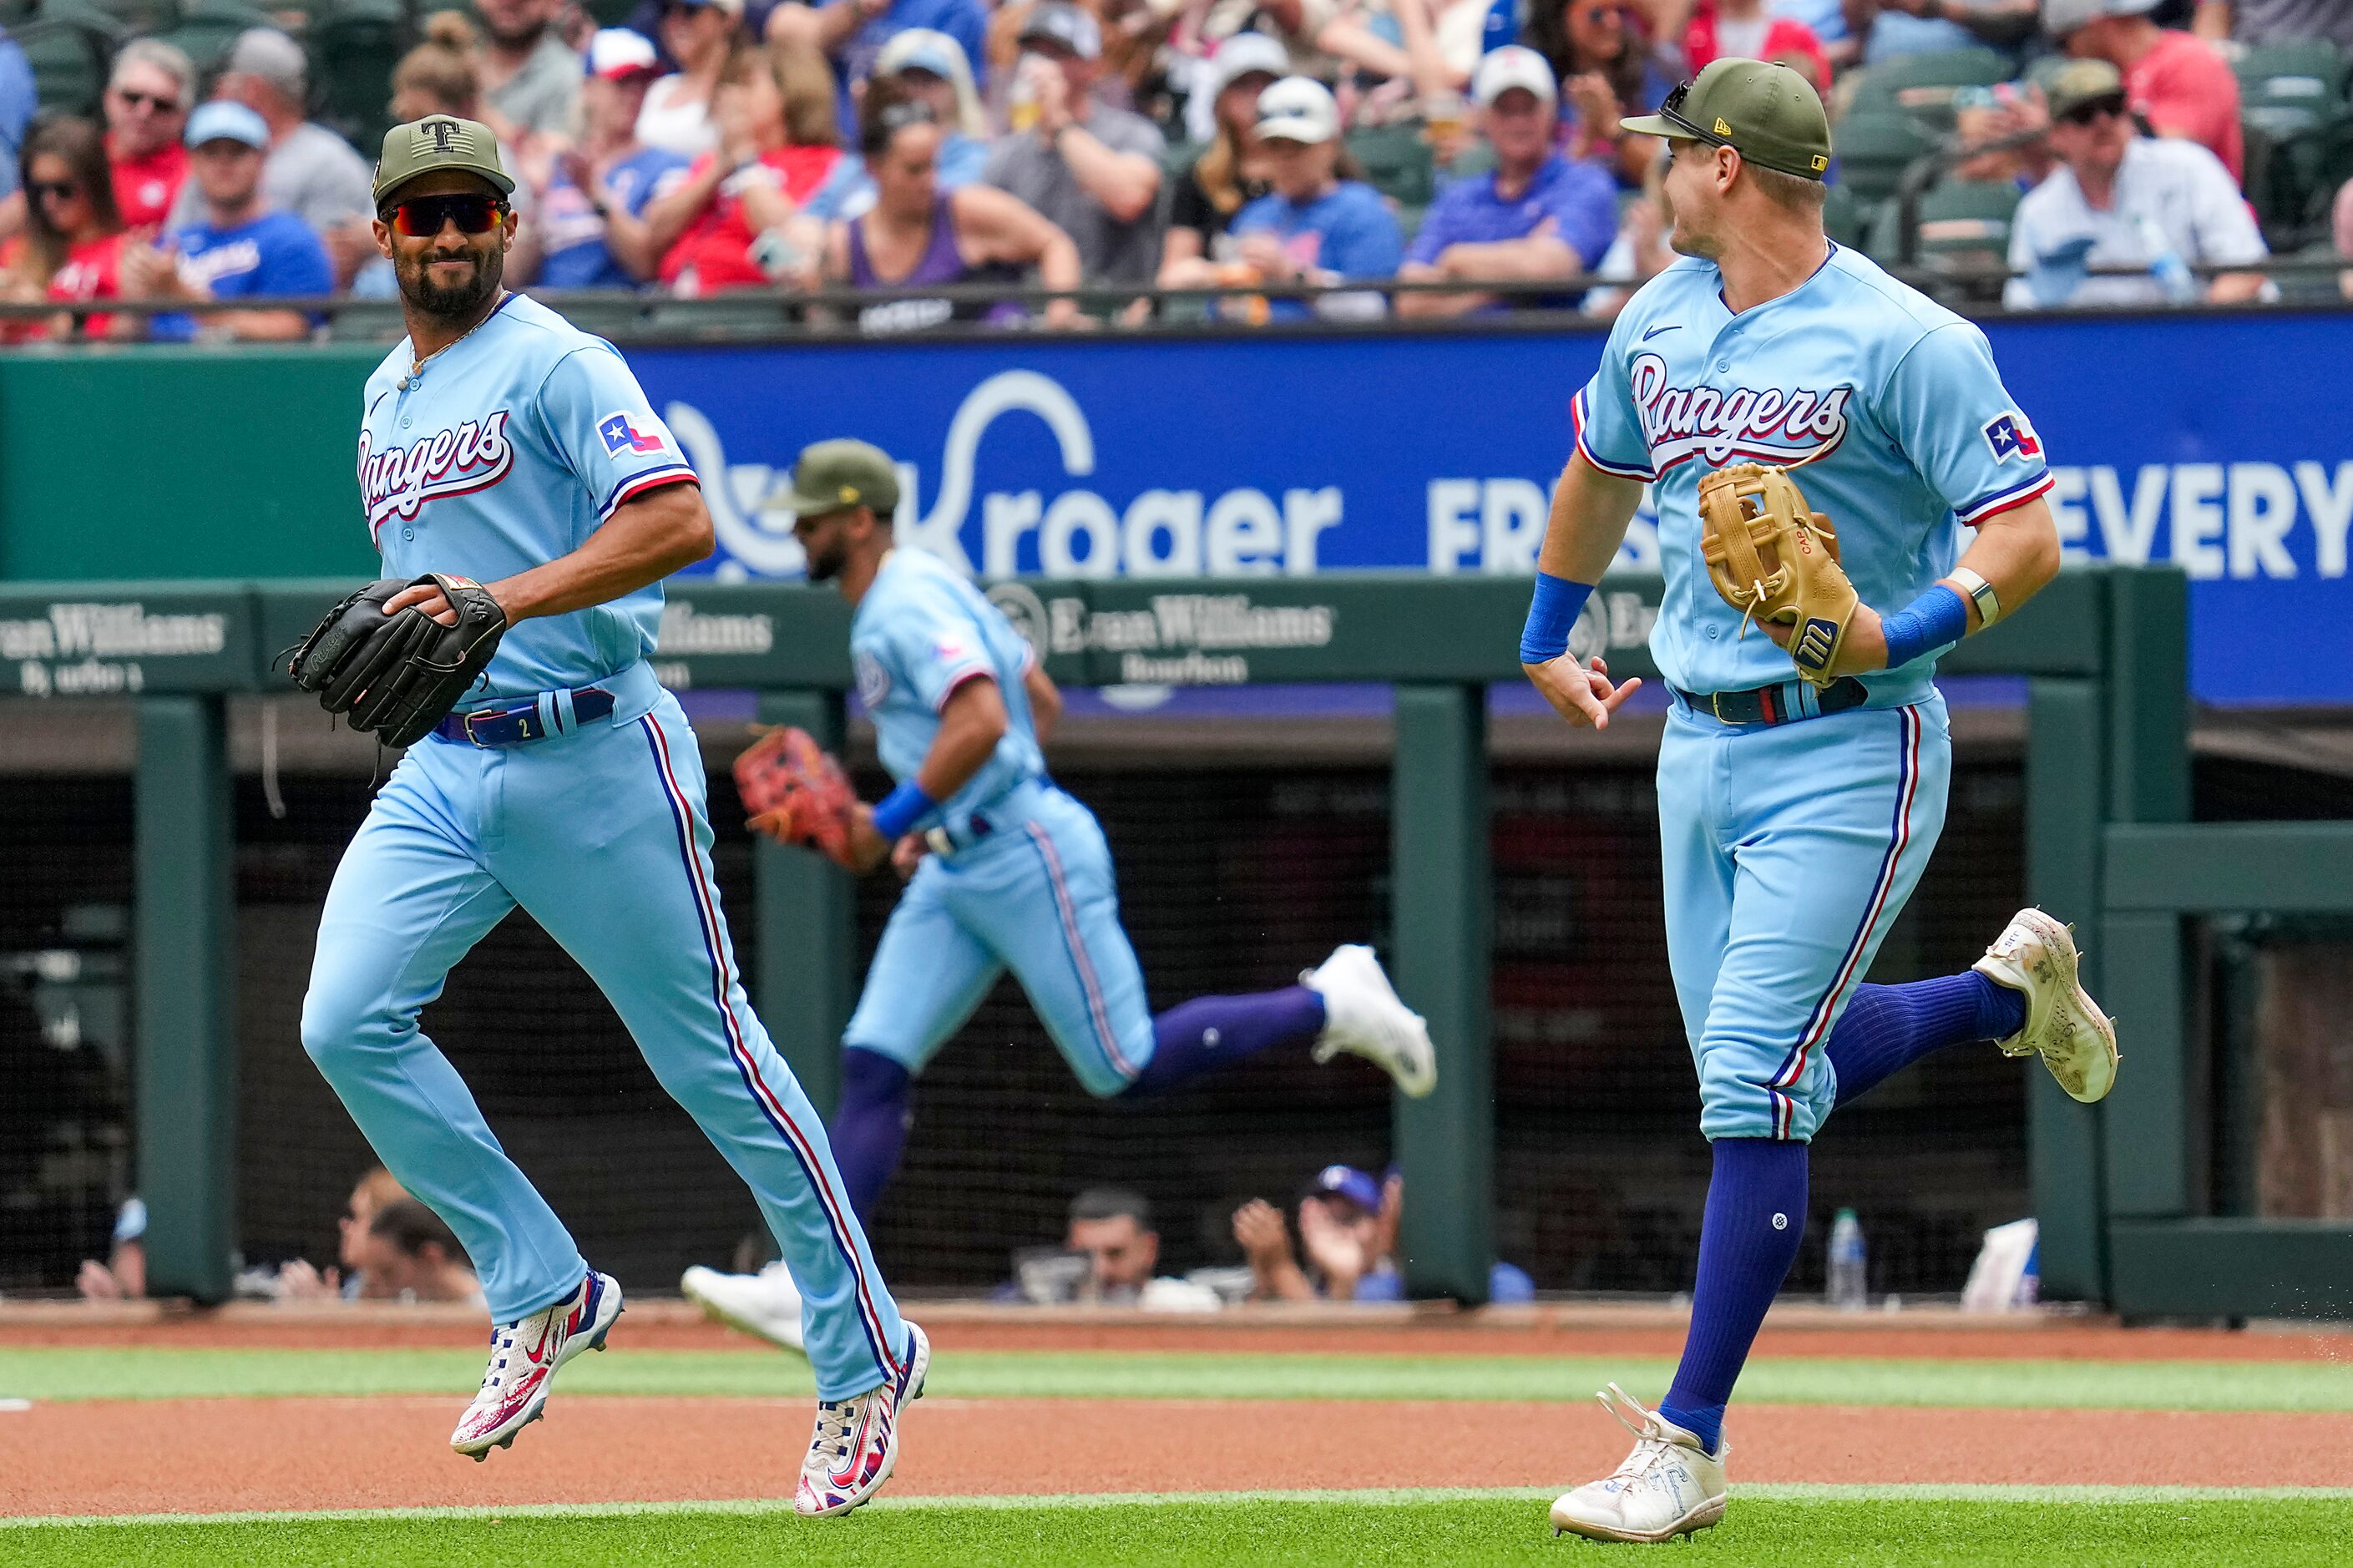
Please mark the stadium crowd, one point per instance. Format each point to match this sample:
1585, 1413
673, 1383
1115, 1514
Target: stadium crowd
2042, 152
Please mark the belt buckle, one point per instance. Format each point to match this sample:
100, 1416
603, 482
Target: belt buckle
937, 838
1715, 706
467, 724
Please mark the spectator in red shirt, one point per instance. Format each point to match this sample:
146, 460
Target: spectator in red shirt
777, 142
1744, 30
147, 101
72, 249
2177, 84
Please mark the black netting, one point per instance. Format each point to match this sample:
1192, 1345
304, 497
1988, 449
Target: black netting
1233, 876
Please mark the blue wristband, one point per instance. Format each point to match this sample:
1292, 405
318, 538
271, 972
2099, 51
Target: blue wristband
1551, 614
1936, 619
901, 810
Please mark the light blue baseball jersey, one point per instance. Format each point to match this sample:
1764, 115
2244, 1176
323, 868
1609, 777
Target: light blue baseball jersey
921, 632
1890, 402
507, 449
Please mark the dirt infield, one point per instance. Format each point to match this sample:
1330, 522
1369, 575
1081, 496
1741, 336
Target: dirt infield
212, 1456
1791, 1330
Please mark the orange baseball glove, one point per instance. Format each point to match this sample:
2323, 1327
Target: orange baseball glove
797, 793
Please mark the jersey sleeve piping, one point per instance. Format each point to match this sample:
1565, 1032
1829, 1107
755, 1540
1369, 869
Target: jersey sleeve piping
958, 677
1577, 419
2003, 500
638, 484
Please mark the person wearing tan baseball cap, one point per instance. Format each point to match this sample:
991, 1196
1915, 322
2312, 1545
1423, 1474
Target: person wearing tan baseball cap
443, 219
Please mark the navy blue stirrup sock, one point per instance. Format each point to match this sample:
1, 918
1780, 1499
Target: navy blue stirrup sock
1755, 1218
1886, 1028
870, 1127
1193, 1038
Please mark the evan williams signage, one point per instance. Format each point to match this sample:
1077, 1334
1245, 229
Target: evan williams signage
398, 480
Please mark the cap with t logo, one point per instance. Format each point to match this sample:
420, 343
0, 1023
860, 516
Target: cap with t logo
1768, 113
437, 142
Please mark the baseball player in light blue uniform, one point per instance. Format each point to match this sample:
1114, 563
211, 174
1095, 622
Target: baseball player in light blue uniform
1007, 870
1795, 820
502, 443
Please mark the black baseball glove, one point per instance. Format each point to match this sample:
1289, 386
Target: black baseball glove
398, 676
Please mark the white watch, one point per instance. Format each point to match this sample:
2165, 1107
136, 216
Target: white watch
1988, 602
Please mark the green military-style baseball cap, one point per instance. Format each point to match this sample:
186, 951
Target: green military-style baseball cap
834, 476
1768, 113
437, 142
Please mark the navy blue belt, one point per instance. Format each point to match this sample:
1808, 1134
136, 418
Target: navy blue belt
549, 713
1782, 704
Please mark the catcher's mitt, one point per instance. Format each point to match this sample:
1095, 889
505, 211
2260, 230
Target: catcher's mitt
1773, 558
398, 676
795, 792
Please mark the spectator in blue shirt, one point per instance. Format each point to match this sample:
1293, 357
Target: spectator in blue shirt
852, 33
240, 248
592, 227
1314, 226
18, 99
1538, 217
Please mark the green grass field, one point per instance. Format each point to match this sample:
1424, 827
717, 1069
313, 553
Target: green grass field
1782, 1527
162, 1373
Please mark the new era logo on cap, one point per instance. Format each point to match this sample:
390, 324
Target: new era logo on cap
620, 435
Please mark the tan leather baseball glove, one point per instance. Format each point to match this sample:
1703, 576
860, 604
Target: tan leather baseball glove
1775, 559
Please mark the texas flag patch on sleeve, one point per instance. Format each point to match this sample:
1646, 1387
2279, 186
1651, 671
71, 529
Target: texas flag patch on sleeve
2011, 436
623, 438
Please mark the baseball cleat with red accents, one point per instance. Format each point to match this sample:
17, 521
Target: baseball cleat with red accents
524, 1357
857, 1439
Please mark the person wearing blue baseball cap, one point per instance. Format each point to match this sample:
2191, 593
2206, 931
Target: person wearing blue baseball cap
1347, 1234
242, 247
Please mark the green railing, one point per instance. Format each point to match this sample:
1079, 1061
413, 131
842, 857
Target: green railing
2103, 651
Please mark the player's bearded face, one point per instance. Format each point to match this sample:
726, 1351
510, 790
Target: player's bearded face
451, 274
826, 541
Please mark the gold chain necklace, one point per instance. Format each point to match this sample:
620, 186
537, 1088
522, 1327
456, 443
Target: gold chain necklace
416, 366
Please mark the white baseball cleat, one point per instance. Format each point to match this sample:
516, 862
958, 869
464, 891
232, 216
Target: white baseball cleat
1669, 1485
767, 1303
1362, 1014
856, 1443
2036, 955
524, 1358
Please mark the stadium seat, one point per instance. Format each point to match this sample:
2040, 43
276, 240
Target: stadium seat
1396, 163
207, 29
354, 46
611, 13
1961, 227
1875, 148
1845, 216
140, 16
2299, 134
1920, 85
69, 63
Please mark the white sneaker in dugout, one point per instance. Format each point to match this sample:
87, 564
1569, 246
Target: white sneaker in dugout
1362, 1014
1669, 1485
2036, 955
525, 1356
856, 1443
765, 1304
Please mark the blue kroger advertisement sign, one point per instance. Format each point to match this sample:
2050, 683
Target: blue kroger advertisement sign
2173, 439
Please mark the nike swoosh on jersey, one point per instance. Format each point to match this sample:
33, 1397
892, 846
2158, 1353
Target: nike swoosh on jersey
1654, 331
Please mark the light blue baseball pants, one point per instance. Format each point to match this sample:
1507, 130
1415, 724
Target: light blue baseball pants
601, 834
1038, 897
1789, 851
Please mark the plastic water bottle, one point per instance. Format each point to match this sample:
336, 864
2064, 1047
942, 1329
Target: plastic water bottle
1847, 1286
2165, 263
